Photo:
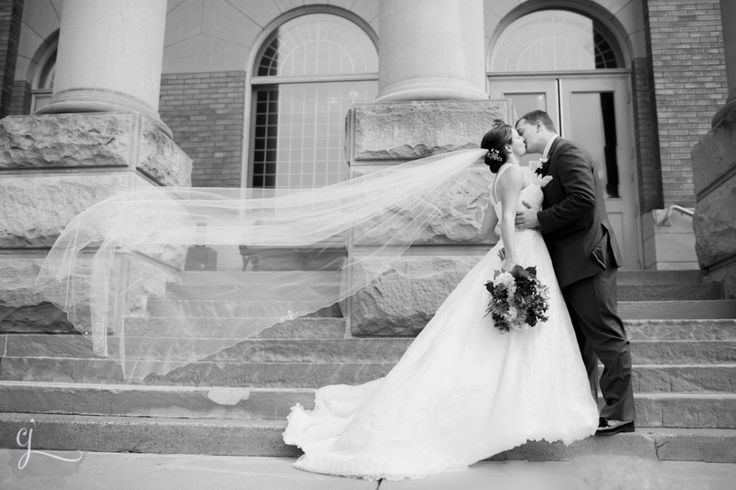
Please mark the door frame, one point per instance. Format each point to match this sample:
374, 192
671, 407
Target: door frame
566, 83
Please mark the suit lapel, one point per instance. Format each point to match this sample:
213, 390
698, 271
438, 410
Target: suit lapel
552, 148
552, 190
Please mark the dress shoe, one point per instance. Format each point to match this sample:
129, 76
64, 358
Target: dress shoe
608, 427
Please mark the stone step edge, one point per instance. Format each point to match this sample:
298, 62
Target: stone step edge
263, 438
282, 390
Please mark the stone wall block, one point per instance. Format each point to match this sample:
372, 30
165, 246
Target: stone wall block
462, 205
715, 225
162, 159
35, 208
402, 301
66, 140
714, 156
415, 129
17, 277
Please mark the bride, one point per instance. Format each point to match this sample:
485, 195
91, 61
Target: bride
463, 391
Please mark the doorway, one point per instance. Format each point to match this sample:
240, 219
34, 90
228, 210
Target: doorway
594, 111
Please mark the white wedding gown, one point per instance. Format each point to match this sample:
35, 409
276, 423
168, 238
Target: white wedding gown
462, 392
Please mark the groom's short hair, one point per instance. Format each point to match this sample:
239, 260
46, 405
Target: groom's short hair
539, 115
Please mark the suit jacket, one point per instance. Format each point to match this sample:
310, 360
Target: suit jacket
573, 219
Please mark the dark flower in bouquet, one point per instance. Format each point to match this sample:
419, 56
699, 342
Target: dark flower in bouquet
518, 299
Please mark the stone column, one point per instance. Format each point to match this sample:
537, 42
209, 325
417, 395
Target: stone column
110, 57
432, 99
714, 176
431, 50
100, 135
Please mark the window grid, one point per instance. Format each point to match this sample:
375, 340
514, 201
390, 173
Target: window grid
299, 127
567, 41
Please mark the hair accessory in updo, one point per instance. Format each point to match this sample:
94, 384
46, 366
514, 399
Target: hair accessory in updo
494, 154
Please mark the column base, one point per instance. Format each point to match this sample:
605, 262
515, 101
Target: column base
99, 100
431, 89
53, 167
387, 133
714, 178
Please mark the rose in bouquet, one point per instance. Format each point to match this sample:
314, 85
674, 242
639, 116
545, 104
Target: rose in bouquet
518, 299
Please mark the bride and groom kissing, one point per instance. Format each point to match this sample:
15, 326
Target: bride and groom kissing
464, 391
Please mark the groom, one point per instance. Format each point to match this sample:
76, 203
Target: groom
585, 255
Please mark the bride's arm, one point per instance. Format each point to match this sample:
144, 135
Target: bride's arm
489, 222
509, 188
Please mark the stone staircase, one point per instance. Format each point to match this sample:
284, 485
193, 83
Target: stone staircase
683, 336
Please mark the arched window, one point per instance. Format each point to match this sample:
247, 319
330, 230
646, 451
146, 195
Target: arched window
43, 79
553, 40
308, 74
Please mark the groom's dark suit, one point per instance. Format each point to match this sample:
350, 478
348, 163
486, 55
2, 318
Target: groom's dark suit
585, 255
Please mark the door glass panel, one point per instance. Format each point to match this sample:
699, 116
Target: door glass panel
593, 122
527, 102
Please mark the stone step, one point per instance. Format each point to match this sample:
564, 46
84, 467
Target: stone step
304, 327
315, 327
263, 438
264, 308
674, 329
670, 292
250, 285
684, 410
352, 350
680, 309
260, 279
685, 378
638, 277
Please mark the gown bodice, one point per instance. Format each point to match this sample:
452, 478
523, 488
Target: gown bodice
530, 193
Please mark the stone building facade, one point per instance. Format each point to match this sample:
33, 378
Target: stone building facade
198, 82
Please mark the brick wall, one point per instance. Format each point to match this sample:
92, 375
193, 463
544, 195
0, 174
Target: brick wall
20, 103
205, 114
689, 74
645, 122
11, 14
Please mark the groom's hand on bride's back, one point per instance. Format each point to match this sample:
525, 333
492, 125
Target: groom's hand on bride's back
527, 218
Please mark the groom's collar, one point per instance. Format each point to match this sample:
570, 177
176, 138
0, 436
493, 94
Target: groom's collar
547, 147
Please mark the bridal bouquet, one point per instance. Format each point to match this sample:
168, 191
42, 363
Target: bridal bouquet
518, 299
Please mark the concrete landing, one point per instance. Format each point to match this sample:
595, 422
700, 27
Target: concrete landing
176, 471
230, 437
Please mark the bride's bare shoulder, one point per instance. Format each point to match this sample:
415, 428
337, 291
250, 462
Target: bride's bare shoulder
513, 174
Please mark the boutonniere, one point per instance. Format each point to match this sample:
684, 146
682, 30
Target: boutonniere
540, 167
539, 172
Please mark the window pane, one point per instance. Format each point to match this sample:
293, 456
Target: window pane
318, 44
308, 135
551, 40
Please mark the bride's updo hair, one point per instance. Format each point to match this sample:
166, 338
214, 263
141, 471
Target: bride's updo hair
494, 140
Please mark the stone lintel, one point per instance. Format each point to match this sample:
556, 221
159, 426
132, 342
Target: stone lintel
398, 131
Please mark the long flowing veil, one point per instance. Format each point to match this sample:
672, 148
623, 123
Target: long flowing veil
126, 262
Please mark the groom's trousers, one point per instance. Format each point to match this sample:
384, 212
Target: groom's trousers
592, 303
